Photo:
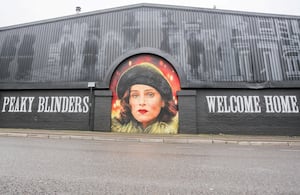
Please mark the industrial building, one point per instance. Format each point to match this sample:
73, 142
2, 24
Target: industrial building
228, 71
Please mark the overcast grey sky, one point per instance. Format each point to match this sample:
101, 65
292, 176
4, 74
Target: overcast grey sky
23, 11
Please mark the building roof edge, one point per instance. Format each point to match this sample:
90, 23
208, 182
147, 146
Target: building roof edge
149, 5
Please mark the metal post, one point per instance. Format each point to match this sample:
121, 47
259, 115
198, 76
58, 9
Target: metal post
91, 85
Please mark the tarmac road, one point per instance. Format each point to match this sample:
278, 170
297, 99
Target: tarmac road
78, 166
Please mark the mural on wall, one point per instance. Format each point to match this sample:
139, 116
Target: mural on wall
67, 57
210, 46
72, 57
25, 57
144, 96
7, 54
90, 53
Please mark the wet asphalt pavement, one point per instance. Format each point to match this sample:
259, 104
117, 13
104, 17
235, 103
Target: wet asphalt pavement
39, 165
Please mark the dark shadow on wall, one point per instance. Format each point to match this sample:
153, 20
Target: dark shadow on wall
25, 57
90, 57
196, 55
168, 28
7, 54
67, 57
131, 30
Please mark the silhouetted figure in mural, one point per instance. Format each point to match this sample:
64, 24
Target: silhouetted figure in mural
131, 30
168, 28
165, 43
90, 54
67, 56
220, 58
7, 55
112, 48
25, 57
196, 55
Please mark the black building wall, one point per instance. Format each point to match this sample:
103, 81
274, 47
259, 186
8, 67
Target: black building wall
48, 109
269, 111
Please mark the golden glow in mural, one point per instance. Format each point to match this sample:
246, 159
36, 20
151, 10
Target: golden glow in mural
144, 96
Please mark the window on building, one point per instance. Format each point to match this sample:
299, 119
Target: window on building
293, 63
266, 27
295, 29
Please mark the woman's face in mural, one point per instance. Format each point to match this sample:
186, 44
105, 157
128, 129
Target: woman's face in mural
146, 103
143, 96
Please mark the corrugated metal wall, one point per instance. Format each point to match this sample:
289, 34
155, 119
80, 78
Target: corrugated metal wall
210, 46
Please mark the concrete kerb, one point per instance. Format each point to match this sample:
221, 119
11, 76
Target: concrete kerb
294, 143
178, 139
99, 138
151, 140
15, 134
175, 140
38, 135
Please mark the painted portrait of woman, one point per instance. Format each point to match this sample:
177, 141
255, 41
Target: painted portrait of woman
145, 100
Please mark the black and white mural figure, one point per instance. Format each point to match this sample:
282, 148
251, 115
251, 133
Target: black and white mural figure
131, 30
196, 51
220, 57
25, 57
64, 63
167, 26
173, 38
90, 57
112, 48
7, 55
67, 57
